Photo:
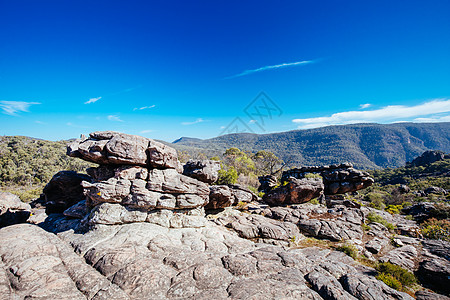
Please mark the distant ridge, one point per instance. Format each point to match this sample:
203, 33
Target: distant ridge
367, 146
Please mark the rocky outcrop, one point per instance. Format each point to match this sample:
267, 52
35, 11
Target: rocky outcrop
140, 180
338, 179
428, 157
295, 191
267, 183
114, 148
63, 191
203, 170
147, 261
220, 196
12, 210
38, 265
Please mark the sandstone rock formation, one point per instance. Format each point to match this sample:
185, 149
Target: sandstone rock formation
338, 179
63, 191
109, 147
141, 233
147, 261
295, 191
203, 170
12, 210
427, 158
139, 180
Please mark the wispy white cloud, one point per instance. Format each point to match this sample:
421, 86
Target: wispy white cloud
39, 122
199, 120
266, 68
364, 106
146, 131
391, 113
252, 121
115, 118
14, 107
92, 100
144, 107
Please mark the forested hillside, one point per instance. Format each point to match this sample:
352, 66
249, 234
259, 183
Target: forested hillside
27, 164
365, 145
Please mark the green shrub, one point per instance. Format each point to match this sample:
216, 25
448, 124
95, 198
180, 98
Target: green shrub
393, 209
376, 200
436, 229
390, 281
376, 218
227, 177
365, 227
313, 175
349, 249
314, 201
405, 277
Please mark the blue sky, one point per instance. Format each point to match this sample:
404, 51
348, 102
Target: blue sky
166, 69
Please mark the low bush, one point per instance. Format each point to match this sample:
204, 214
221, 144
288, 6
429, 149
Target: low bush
349, 249
390, 281
403, 276
376, 218
436, 229
376, 200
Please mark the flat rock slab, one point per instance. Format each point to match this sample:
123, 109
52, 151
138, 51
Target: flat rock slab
147, 261
115, 148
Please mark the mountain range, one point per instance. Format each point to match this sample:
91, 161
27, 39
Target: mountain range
367, 146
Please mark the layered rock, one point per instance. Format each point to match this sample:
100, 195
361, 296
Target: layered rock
147, 261
296, 191
140, 180
428, 157
12, 210
114, 148
63, 191
338, 179
203, 170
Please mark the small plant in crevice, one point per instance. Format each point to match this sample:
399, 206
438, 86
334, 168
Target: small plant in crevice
349, 249
376, 218
395, 276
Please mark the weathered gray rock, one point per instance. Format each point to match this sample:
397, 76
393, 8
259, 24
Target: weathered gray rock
260, 227
438, 247
63, 191
108, 147
138, 188
203, 170
267, 183
78, 211
363, 287
427, 158
242, 194
338, 179
403, 256
327, 286
434, 272
295, 192
375, 245
220, 196
12, 210
37, 265
427, 295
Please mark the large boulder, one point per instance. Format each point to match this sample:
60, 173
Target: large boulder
109, 147
63, 191
12, 210
338, 179
203, 170
139, 188
295, 192
220, 196
428, 157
